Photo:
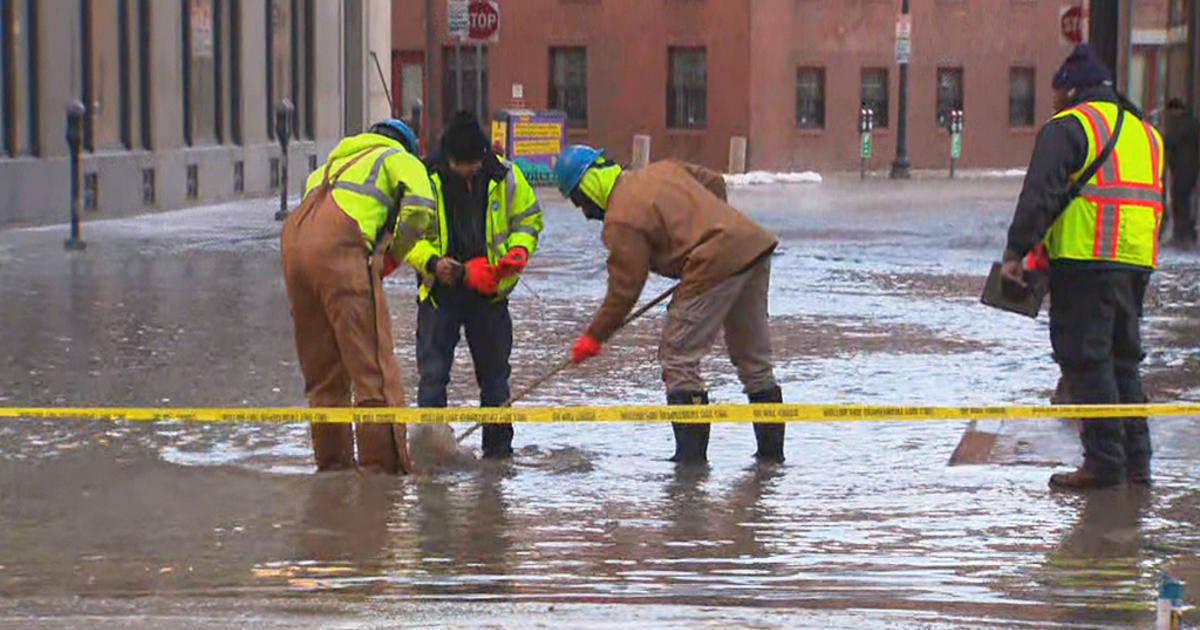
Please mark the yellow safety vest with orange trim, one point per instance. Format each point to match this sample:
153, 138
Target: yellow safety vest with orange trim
1117, 214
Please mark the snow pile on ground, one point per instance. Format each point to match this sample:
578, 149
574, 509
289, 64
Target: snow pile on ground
1008, 172
757, 178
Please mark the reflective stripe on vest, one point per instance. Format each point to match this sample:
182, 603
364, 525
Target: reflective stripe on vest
513, 224
499, 230
1117, 213
369, 186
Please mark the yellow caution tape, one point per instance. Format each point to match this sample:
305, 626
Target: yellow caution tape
623, 413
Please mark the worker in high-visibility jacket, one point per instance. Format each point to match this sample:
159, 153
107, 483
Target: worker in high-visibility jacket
1101, 236
486, 228
371, 199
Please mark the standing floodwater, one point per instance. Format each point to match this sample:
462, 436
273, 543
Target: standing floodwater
874, 299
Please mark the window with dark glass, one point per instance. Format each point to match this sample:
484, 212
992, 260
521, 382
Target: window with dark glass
875, 94
1021, 97
810, 98
20, 76
233, 72
201, 96
687, 88
949, 93
568, 84
104, 39
471, 65
301, 56
5, 61
143, 70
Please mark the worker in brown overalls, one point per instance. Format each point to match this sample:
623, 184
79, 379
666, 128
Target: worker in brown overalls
369, 203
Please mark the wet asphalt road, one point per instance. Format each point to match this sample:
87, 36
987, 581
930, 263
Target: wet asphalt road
874, 299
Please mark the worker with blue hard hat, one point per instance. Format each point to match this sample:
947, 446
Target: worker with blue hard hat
399, 131
672, 218
371, 201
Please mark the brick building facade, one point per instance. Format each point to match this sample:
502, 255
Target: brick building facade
788, 75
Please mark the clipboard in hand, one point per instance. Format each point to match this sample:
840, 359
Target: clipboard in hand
1006, 295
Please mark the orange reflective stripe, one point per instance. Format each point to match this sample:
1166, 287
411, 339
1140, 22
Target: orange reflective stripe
1155, 151
1100, 135
1091, 226
1123, 194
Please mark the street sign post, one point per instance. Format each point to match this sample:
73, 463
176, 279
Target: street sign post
903, 38
457, 18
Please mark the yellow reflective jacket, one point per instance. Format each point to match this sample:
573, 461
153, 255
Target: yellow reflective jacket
1118, 211
514, 219
367, 190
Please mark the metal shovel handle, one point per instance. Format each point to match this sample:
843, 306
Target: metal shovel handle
566, 363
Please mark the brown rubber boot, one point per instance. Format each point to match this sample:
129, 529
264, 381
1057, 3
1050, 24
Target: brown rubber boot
377, 450
1082, 479
333, 446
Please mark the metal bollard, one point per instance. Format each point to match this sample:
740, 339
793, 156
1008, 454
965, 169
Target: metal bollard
75, 113
283, 129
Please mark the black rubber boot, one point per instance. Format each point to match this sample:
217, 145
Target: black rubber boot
691, 439
769, 435
497, 441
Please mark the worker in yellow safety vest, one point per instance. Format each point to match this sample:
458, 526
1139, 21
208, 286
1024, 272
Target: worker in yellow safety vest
370, 200
487, 226
1093, 195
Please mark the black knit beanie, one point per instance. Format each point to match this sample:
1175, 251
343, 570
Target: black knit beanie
463, 140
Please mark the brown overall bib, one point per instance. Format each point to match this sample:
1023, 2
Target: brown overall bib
343, 330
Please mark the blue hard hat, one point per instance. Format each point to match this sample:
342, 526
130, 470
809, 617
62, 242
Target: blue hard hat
407, 137
572, 164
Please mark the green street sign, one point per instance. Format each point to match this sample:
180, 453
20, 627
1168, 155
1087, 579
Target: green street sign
956, 145
866, 145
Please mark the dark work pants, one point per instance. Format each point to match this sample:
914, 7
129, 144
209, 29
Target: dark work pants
489, 336
1094, 329
1184, 224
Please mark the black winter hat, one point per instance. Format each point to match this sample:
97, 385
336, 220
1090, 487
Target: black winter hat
463, 140
1082, 70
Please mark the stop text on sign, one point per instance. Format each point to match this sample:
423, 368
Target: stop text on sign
473, 21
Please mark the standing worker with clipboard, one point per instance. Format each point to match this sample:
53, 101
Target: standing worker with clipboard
1093, 195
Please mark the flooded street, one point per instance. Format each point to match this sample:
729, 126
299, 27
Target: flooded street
874, 299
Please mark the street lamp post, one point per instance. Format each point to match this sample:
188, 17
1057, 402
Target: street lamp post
900, 167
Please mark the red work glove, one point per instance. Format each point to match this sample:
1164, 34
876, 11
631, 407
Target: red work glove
1037, 259
481, 276
585, 348
513, 262
390, 264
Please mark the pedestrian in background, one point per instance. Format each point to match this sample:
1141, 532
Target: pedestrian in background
1181, 137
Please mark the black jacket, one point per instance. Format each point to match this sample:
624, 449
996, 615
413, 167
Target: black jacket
1060, 149
466, 208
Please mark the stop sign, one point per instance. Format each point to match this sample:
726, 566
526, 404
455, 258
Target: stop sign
483, 19
1070, 24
